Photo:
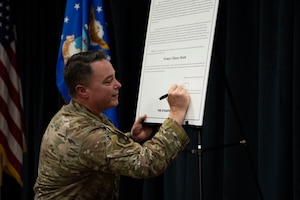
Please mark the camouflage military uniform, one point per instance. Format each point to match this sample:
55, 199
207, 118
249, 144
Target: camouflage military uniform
82, 155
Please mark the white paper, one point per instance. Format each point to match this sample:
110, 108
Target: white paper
178, 50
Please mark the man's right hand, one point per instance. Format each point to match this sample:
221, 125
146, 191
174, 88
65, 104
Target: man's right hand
179, 101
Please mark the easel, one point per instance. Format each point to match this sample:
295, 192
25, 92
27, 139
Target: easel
199, 151
242, 142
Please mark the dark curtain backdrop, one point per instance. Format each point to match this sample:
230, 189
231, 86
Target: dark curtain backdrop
250, 136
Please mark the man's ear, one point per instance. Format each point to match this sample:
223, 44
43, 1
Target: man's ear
81, 91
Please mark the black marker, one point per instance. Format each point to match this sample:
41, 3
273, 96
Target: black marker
163, 97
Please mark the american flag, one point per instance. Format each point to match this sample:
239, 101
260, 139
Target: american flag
12, 136
84, 28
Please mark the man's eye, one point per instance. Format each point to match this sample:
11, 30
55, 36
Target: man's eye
108, 81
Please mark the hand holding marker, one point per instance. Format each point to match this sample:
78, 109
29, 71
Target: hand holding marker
185, 85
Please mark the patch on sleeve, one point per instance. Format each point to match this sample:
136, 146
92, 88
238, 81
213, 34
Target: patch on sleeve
124, 141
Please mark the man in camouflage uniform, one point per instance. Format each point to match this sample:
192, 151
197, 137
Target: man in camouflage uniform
82, 154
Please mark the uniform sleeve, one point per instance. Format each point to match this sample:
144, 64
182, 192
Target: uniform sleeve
129, 158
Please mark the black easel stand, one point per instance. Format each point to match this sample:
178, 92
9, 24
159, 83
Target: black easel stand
241, 130
243, 142
199, 151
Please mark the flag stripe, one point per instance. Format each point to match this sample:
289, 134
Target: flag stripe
9, 125
9, 92
10, 98
10, 75
12, 135
10, 51
9, 144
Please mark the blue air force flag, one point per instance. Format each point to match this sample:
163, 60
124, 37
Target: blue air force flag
84, 28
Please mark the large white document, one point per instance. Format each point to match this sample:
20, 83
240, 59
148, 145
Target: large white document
178, 49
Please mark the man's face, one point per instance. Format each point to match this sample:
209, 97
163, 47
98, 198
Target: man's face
103, 89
